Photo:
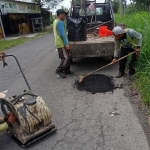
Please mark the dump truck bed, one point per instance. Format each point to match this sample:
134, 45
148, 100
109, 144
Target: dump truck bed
93, 47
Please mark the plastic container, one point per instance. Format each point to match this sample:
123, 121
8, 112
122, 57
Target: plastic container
104, 31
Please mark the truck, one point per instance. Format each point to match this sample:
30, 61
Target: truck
102, 15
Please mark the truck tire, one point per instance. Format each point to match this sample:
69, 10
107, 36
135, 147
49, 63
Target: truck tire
71, 61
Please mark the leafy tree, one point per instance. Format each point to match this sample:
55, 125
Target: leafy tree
119, 5
145, 4
132, 8
49, 3
64, 8
115, 6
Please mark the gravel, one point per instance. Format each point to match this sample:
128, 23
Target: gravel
96, 83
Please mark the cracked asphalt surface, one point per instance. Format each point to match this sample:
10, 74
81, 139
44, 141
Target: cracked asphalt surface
84, 120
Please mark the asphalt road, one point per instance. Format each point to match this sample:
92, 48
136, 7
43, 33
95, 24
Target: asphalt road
83, 120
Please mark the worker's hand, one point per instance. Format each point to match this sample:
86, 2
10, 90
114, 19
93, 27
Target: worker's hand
137, 50
11, 118
2, 55
114, 61
8, 114
67, 47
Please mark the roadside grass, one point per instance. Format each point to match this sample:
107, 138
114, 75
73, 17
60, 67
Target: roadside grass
141, 23
6, 44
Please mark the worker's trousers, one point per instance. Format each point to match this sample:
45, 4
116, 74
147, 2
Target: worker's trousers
65, 56
122, 63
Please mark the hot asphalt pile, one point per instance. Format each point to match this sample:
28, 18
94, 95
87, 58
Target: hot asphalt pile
96, 83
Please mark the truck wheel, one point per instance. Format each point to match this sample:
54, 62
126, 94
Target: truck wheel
71, 60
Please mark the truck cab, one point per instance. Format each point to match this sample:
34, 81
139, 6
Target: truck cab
103, 12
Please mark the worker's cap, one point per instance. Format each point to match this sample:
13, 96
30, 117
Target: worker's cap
61, 11
118, 30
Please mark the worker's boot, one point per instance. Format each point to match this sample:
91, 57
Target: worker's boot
69, 73
120, 74
61, 73
131, 71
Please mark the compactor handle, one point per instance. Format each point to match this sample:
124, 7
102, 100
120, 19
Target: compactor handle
3, 56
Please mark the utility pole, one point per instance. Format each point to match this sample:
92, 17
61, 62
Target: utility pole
1, 23
121, 11
124, 6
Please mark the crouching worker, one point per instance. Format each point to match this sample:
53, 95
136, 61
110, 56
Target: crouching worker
126, 41
6, 122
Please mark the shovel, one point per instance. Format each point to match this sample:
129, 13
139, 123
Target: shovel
82, 77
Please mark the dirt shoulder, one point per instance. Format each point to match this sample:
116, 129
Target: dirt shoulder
140, 109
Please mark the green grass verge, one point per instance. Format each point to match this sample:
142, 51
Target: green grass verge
141, 23
6, 44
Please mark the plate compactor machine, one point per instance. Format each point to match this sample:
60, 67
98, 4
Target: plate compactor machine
33, 117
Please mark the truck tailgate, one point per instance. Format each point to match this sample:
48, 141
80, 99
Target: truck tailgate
93, 47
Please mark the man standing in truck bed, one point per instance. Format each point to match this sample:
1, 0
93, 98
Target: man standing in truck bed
126, 40
62, 44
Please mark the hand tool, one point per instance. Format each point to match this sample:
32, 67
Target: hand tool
82, 77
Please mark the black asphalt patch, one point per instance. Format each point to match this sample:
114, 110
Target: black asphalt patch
96, 83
